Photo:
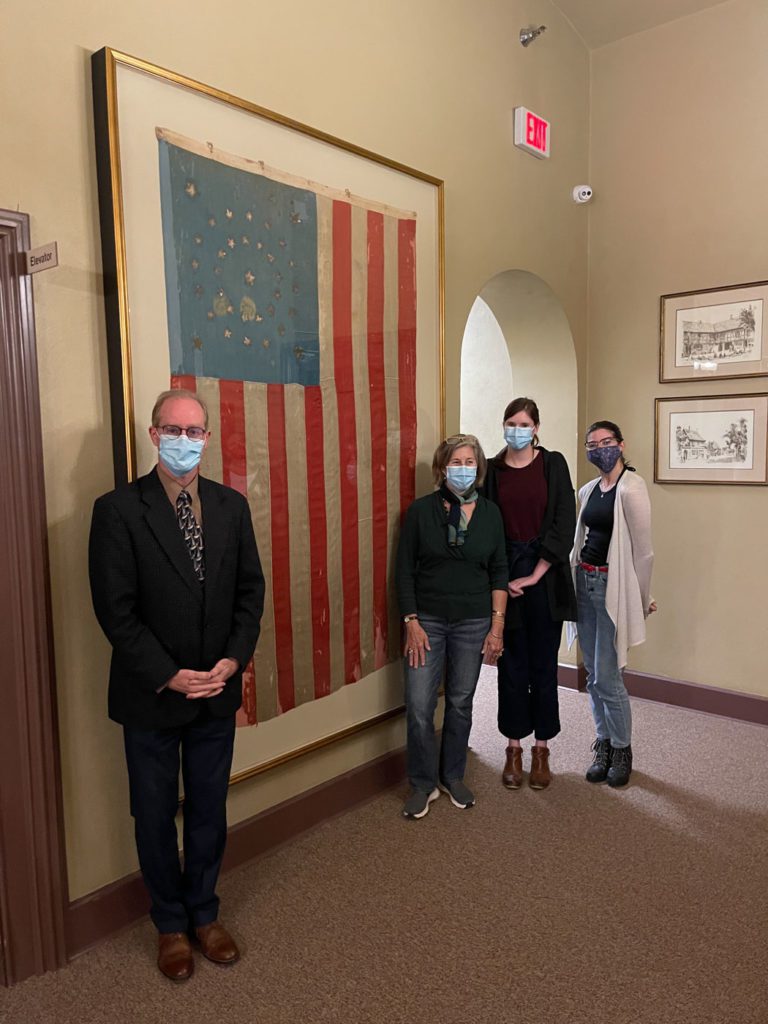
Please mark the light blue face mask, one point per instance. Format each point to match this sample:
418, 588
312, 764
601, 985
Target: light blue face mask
460, 478
518, 437
179, 455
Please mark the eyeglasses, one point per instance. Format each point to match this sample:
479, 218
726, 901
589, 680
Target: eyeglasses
193, 433
607, 442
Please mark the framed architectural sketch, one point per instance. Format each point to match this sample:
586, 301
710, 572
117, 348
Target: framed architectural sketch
294, 281
719, 332
721, 439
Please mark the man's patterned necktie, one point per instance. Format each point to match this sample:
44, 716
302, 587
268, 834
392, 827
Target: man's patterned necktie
192, 533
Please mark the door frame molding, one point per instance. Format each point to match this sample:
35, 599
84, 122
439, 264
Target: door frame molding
33, 879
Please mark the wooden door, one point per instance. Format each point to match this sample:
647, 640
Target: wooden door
32, 865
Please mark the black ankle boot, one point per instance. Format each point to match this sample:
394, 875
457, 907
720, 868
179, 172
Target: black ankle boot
621, 766
598, 770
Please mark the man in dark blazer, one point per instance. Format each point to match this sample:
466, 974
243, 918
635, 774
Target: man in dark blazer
178, 589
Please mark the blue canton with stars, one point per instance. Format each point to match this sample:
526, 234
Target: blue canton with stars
240, 272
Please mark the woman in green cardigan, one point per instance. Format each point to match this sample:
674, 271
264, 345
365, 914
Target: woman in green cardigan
452, 591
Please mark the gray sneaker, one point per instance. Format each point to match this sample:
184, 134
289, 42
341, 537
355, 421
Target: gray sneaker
458, 792
417, 804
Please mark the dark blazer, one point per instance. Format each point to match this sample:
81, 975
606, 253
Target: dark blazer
156, 614
557, 530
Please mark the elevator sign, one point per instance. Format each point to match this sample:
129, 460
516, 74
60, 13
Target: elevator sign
531, 132
43, 258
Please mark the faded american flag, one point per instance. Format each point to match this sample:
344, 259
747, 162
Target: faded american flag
292, 312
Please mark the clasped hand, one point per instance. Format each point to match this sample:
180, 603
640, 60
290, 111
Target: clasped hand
516, 587
203, 684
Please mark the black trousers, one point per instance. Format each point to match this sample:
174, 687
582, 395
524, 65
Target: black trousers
181, 897
527, 668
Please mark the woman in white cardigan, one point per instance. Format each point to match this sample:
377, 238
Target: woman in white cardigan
612, 559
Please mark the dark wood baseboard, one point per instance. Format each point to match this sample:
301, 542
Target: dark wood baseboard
98, 915
571, 676
745, 707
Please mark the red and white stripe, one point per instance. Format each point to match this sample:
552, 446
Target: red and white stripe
328, 470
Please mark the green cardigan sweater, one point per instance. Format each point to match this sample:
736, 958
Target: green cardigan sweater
452, 583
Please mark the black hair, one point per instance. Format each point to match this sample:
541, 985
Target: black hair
614, 429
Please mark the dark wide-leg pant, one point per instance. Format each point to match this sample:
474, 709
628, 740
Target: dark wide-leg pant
527, 668
182, 897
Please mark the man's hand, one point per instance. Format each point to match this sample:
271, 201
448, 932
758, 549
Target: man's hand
223, 669
195, 684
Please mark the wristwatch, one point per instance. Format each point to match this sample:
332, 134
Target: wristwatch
410, 618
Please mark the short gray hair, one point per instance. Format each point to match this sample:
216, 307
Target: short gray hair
444, 454
165, 396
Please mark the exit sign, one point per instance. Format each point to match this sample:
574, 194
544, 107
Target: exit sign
531, 132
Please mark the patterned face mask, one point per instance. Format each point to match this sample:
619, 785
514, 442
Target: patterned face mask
605, 458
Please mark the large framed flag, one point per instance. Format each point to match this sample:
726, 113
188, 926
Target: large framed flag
294, 282
292, 312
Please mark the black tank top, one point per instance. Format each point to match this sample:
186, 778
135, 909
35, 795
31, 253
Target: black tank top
598, 518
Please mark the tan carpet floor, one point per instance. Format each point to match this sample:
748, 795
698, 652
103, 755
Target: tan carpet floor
577, 904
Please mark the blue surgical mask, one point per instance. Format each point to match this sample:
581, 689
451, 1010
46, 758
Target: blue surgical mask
518, 437
179, 455
460, 478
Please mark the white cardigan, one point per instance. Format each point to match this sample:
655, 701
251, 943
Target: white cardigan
630, 561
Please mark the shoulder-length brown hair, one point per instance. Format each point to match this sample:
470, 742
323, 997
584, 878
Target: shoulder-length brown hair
444, 454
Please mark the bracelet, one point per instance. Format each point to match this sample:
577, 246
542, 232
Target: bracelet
499, 615
496, 636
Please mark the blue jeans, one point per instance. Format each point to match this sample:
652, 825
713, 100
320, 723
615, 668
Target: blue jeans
605, 682
455, 654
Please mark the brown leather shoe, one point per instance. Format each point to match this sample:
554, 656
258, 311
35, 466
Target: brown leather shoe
512, 776
540, 776
217, 944
174, 956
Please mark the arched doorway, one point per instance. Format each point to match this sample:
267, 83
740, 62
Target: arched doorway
517, 341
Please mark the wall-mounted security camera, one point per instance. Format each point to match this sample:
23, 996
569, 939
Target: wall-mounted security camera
582, 193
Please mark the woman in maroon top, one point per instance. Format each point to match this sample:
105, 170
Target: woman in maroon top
533, 489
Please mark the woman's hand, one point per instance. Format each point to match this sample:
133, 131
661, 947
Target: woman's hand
493, 645
416, 644
652, 607
516, 587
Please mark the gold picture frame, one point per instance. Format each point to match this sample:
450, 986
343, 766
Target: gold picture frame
133, 101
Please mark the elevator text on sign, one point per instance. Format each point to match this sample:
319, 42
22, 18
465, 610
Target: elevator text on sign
531, 132
42, 258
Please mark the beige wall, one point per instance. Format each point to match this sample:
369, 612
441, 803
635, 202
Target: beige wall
679, 153
431, 84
